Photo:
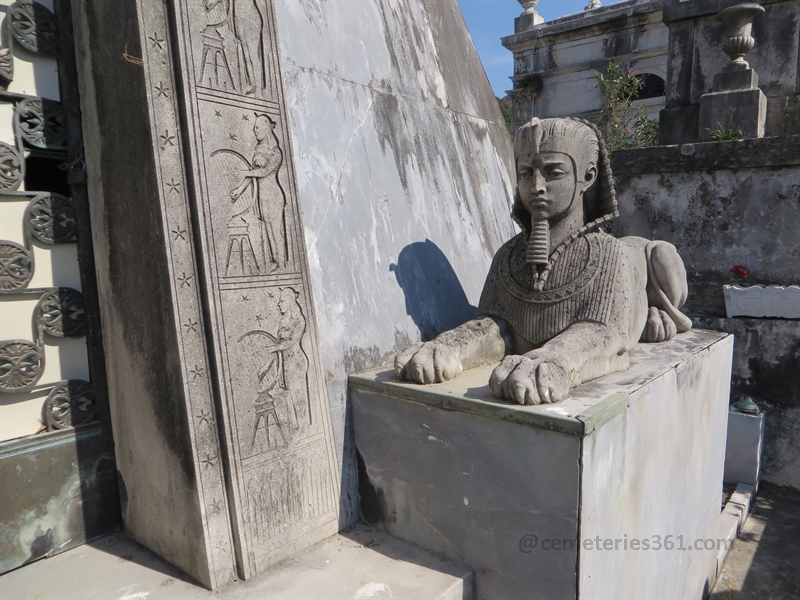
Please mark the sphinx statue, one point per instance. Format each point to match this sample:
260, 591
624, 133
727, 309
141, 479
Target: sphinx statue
564, 302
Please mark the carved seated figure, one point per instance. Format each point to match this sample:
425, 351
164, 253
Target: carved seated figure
564, 301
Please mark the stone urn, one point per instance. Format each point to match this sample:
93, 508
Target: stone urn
737, 22
528, 5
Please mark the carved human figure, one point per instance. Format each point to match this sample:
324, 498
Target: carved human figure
294, 362
564, 301
270, 205
249, 22
282, 402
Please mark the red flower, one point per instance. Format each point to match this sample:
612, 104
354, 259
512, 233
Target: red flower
740, 271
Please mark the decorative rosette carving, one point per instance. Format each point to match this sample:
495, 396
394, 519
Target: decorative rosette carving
69, 404
6, 67
61, 313
21, 365
51, 219
11, 167
34, 26
16, 266
41, 123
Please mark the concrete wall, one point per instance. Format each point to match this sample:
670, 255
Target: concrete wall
405, 174
726, 203
555, 63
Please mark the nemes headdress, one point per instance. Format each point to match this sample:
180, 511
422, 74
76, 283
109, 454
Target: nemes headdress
549, 135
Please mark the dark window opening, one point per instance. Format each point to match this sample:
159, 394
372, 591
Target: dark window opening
653, 87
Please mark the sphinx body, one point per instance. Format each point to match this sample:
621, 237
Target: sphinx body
564, 302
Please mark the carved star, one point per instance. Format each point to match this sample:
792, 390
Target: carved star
157, 41
271, 295
179, 233
162, 90
174, 186
167, 139
208, 461
259, 318
245, 298
191, 326
204, 417
232, 136
220, 546
185, 280
215, 506
245, 118
218, 113
197, 371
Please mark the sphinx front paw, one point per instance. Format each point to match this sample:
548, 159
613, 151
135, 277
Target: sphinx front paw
530, 380
427, 362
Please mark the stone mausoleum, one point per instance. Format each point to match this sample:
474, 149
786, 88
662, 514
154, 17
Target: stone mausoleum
222, 222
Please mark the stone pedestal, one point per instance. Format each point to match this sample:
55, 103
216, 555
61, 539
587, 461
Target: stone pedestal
598, 496
745, 110
527, 21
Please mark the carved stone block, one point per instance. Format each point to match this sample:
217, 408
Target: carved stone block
206, 227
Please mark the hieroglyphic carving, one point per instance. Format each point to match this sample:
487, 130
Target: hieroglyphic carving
293, 489
21, 365
34, 26
41, 123
69, 404
16, 266
237, 51
60, 313
6, 67
282, 401
257, 225
51, 219
273, 404
12, 167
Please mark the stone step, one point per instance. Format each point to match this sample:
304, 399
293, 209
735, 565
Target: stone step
361, 562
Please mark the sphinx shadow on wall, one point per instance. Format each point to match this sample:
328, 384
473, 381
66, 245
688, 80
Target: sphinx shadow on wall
435, 299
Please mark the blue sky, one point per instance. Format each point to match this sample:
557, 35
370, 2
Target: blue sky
489, 20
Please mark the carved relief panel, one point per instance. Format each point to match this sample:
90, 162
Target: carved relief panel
274, 411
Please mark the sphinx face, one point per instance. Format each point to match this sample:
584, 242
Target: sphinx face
547, 184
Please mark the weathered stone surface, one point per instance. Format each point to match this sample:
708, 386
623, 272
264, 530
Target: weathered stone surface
216, 383
361, 562
405, 179
713, 202
59, 491
451, 468
564, 302
745, 79
678, 125
706, 156
743, 111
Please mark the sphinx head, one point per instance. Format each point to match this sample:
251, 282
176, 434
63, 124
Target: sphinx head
558, 162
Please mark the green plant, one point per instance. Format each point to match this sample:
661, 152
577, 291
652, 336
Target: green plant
724, 134
505, 110
624, 125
